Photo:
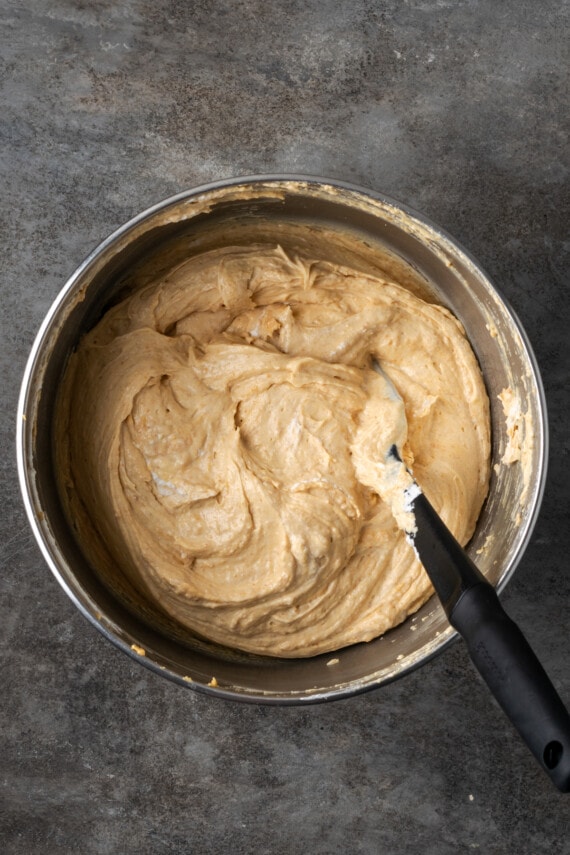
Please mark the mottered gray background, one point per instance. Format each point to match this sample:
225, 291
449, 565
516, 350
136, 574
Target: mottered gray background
458, 108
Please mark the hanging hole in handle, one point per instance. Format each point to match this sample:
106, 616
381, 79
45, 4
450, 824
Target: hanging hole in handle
552, 754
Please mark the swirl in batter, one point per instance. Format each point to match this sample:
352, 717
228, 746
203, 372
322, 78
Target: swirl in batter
222, 430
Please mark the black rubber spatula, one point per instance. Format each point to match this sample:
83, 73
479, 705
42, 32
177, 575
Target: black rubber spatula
496, 645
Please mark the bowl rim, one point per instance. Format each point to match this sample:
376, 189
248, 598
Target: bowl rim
23, 430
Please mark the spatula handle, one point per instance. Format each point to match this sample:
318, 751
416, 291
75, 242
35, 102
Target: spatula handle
516, 678
497, 647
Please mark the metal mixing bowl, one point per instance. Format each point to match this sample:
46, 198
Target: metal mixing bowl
350, 224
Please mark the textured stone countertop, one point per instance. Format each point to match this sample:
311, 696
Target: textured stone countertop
460, 110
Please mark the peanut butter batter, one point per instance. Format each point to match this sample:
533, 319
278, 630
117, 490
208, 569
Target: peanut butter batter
222, 430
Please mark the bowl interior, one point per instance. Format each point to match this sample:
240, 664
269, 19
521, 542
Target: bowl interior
340, 223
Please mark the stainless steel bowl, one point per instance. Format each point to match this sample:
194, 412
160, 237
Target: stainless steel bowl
359, 227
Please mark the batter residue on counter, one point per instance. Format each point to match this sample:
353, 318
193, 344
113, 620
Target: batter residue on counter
223, 430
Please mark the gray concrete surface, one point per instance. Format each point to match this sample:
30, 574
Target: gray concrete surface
459, 109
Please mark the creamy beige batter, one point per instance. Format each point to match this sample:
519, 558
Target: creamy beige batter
225, 432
